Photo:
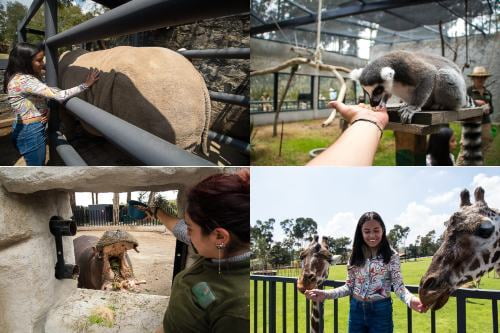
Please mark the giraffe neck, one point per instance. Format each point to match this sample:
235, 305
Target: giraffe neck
315, 308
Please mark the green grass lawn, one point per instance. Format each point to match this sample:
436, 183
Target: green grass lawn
479, 314
301, 137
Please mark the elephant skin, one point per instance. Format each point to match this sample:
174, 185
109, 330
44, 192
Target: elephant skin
153, 88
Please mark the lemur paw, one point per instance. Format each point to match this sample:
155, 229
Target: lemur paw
406, 113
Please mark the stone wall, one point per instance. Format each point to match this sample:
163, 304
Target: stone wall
483, 51
29, 197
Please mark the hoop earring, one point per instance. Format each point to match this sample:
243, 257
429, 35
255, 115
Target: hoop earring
219, 247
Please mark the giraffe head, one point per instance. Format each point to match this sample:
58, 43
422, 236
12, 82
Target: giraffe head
470, 248
316, 260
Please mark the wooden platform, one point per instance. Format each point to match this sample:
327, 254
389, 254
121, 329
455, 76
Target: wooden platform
428, 122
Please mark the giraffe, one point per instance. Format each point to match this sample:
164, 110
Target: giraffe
316, 260
471, 247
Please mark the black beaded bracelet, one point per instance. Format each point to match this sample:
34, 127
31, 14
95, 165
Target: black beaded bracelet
370, 121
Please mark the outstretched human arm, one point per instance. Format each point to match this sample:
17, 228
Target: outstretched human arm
399, 288
319, 295
31, 85
359, 142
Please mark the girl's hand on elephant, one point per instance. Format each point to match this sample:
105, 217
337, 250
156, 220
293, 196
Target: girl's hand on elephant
92, 77
315, 295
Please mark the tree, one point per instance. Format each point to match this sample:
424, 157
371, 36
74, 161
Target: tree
262, 239
168, 206
339, 246
280, 255
427, 244
398, 235
297, 230
116, 208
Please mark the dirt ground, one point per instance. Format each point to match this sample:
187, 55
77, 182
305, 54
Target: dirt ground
154, 263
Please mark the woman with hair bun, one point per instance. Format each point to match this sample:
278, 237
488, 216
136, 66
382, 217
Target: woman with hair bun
212, 294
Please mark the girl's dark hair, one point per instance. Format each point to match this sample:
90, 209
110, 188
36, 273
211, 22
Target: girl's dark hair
384, 249
223, 200
439, 147
20, 61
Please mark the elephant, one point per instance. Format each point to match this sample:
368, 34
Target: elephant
153, 88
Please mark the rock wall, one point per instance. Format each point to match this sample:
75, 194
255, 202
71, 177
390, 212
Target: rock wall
483, 51
28, 288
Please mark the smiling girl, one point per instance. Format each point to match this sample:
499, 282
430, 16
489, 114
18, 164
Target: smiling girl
28, 96
373, 268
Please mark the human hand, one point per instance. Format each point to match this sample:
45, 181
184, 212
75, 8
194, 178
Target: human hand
486, 108
352, 113
315, 295
145, 209
417, 305
479, 102
92, 77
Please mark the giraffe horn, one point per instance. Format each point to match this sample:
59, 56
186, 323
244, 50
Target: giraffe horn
479, 195
316, 238
464, 198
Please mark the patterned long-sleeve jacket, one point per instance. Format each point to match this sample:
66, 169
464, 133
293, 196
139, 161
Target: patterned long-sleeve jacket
373, 281
28, 95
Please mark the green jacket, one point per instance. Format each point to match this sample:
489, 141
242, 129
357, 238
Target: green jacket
487, 97
228, 312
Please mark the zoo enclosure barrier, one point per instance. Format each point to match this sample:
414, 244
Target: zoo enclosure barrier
102, 215
133, 16
268, 303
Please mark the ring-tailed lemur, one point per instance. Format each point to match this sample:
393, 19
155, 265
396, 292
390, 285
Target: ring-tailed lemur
421, 80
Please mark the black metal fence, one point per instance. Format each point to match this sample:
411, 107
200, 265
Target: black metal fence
133, 16
103, 216
264, 301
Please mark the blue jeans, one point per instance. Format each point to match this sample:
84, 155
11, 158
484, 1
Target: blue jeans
30, 141
371, 317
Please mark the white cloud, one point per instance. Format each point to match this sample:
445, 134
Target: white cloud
448, 198
421, 220
340, 225
491, 186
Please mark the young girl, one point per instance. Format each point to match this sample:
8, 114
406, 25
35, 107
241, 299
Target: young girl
440, 146
28, 95
373, 268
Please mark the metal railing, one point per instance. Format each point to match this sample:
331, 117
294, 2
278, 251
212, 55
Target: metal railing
133, 16
84, 216
266, 300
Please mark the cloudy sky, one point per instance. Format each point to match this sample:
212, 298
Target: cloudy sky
85, 198
421, 198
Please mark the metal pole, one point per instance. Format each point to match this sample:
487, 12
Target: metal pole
68, 154
229, 98
230, 53
142, 15
143, 145
241, 146
35, 5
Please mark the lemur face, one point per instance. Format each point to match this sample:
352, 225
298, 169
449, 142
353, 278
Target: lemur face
381, 90
378, 95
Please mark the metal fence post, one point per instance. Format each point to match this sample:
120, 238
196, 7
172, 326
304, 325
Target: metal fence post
272, 306
461, 328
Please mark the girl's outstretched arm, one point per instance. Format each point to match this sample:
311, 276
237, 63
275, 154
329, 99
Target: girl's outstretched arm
318, 295
399, 288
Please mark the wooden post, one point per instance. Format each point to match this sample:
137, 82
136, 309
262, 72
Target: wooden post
410, 149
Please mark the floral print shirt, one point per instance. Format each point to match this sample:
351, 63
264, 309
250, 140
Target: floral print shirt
28, 95
373, 281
